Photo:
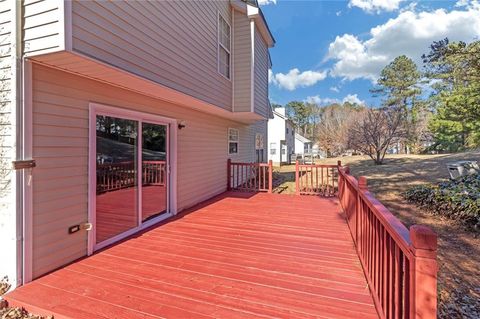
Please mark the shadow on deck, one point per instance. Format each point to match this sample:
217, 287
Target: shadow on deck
237, 255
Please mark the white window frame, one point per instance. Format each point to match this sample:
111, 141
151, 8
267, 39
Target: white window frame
233, 141
274, 148
220, 45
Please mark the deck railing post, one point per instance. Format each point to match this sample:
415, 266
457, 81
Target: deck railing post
270, 176
229, 173
362, 188
297, 181
423, 273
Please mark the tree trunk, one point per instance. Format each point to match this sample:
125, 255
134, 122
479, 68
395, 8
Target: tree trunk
378, 158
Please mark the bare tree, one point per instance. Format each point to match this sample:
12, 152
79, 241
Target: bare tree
331, 132
375, 130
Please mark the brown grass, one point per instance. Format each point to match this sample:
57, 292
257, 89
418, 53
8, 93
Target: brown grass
459, 249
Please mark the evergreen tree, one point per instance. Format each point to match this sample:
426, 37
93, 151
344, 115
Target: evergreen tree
399, 85
454, 69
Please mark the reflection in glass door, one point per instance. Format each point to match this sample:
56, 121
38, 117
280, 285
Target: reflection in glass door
117, 186
131, 175
154, 170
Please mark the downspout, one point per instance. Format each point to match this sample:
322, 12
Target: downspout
17, 85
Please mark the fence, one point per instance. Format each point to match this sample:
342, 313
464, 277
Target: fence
249, 177
399, 264
315, 179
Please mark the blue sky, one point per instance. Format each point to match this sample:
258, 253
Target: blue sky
334, 50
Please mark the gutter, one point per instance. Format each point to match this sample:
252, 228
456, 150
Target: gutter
18, 119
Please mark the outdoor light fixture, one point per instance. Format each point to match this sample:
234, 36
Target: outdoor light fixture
181, 125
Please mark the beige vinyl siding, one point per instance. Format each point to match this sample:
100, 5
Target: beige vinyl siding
261, 76
7, 134
8, 216
173, 43
242, 61
60, 147
43, 26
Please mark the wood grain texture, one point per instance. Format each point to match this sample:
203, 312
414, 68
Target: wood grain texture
237, 255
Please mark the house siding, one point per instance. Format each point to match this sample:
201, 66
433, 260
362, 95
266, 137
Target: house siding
261, 76
8, 216
173, 43
43, 26
242, 61
60, 148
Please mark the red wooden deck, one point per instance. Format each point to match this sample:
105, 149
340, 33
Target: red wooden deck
235, 256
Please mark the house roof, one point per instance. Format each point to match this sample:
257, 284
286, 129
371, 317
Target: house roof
302, 138
280, 115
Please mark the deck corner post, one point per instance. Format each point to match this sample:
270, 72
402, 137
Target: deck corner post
362, 183
297, 179
339, 163
423, 274
229, 173
270, 176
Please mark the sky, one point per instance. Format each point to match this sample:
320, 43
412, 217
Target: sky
328, 51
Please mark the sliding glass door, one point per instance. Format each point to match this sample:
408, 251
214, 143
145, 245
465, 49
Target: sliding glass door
131, 175
154, 167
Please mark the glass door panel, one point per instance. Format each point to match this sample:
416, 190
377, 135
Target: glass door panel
154, 170
117, 176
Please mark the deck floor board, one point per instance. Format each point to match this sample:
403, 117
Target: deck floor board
235, 256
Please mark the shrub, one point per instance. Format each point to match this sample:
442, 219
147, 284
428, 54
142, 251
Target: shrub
457, 199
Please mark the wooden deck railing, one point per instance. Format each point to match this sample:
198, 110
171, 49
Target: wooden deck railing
316, 179
249, 177
115, 176
399, 264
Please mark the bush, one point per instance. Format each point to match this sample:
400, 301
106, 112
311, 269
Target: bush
455, 199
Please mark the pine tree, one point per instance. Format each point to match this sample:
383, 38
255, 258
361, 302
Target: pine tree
399, 85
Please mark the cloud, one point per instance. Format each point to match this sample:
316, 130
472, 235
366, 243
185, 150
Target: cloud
265, 2
294, 79
350, 98
410, 33
335, 89
353, 98
375, 6
321, 101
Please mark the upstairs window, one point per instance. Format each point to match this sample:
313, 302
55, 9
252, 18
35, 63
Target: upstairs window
223, 47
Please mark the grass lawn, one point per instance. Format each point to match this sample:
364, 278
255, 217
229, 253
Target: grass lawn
459, 249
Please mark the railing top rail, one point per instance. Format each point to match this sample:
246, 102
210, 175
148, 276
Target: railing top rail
319, 165
392, 224
249, 164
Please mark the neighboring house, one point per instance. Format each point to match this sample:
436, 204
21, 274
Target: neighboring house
302, 144
317, 151
119, 115
281, 142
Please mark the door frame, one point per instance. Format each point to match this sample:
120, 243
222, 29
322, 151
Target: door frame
101, 109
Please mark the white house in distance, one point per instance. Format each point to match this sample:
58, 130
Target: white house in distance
281, 138
302, 144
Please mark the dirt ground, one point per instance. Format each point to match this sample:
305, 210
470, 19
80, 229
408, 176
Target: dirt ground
459, 249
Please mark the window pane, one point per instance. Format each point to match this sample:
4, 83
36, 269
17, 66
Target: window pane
233, 148
232, 134
224, 63
116, 165
224, 33
154, 170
